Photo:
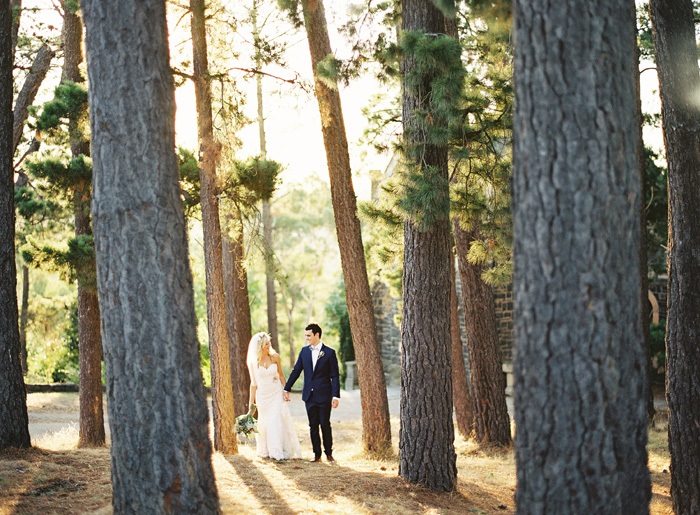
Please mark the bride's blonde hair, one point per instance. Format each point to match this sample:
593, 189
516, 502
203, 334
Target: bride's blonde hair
259, 340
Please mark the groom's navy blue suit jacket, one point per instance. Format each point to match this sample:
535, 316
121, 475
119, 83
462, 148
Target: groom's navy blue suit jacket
324, 380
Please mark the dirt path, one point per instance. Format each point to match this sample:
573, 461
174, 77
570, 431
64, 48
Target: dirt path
56, 413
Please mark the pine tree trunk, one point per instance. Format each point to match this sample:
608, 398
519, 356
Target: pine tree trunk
30, 88
91, 421
488, 387
677, 63
460, 384
376, 429
643, 259
426, 435
221, 385
579, 367
242, 325
14, 425
24, 318
161, 453
238, 321
16, 13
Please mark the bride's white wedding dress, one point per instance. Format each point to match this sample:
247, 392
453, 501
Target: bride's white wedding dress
276, 436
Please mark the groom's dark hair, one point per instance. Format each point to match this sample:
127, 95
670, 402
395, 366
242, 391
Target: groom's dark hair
315, 329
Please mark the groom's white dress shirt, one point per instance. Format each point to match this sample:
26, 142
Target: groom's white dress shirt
314, 354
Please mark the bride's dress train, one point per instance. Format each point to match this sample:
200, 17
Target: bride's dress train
276, 436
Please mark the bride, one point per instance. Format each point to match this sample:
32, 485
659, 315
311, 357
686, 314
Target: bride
276, 436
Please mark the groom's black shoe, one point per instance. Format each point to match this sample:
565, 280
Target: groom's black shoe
317, 459
329, 459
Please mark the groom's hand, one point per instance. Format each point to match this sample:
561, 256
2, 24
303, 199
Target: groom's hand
285, 396
334, 403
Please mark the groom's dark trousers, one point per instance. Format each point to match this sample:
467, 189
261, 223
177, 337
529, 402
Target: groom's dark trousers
321, 384
320, 415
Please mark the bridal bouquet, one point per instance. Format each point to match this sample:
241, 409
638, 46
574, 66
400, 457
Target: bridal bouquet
246, 424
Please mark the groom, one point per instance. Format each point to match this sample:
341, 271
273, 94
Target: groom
321, 388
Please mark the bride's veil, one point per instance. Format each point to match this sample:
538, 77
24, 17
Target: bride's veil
253, 354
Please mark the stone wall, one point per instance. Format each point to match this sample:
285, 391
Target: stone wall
387, 315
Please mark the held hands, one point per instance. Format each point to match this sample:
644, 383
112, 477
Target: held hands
285, 396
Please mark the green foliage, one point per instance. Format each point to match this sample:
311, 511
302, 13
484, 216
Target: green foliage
656, 202
188, 167
657, 344
645, 40
437, 66
63, 174
56, 360
424, 195
328, 71
338, 323
258, 177
205, 362
70, 102
76, 262
293, 10
481, 153
383, 230
437, 69
447, 7
72, 6
30, 204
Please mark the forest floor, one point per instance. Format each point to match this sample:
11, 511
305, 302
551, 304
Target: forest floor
55, 477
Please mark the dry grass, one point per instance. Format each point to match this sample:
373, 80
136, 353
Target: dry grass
54, 477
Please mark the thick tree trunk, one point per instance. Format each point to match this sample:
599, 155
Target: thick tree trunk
376, 429
677, 63
238, 321
241, 302
16, 8
91, 422
643, 260
14, 423
488, 387
24, 318
579, 366
460, 383
426, 436
26, 96
161, 453
221, 385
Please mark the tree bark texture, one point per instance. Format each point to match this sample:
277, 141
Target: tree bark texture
91, 422
221, 386
16, 10
643, 259
161, 453
426, 435
376, 429
488, 387
32, 83
579, 366
460, 382
676, 60
14, 423
238, 321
